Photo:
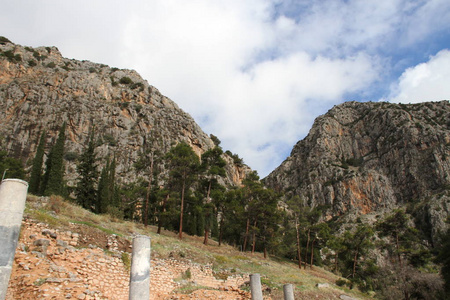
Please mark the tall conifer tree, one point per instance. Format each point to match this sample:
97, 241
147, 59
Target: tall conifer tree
113, 188
55, 167
36, 170
86, 191
103, 192
107, 192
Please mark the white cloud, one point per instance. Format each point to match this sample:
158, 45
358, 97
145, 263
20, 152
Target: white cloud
424, 19
427, 81
255, 73
281, 100
259, 108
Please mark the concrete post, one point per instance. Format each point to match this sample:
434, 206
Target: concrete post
140, 269
255, 287
13, 194
288, 292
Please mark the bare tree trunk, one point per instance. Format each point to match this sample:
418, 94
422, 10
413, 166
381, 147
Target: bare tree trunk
246, 235
336, 261
180, 233
220, 231
163, 210
254, 238
205, 240
307, 247
312, 253
149, 187
208, 200
355, 259
397, 245
406, 293
298, 244
208, 193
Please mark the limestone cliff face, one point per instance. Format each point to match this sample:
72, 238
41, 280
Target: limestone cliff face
369, 157
40, 89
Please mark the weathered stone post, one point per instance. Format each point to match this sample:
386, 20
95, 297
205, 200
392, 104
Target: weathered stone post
288, 292
13, 194
140, 269
255, 287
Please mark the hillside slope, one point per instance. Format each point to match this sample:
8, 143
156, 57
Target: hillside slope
66, 252
368, 157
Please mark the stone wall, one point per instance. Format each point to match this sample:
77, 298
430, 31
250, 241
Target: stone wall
49, 264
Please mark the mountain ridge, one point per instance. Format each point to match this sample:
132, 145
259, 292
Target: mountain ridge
368, 157
40, 89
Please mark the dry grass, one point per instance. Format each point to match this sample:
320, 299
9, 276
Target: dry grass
225, 259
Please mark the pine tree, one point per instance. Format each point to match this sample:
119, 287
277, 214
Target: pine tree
183, 164
336, 243
55, 167
358, 243
86, 191
212, 166
297, 209
148, 162
10, 167
36, 170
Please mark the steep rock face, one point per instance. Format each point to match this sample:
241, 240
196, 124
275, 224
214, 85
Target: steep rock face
370, 157
40, 89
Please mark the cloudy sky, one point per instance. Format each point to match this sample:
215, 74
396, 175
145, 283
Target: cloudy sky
255, 73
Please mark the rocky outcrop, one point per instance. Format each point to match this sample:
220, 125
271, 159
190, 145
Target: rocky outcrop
369, 157
40, 89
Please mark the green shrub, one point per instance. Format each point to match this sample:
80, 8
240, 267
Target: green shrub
355, 162
138, 108
39, 282
11, 57
4, 40
136, 85
124, 105
38, 56
109, 139
187, 274
126, 260
125, 80
92, 70
71, 156
115, 212
32, 63
51, 65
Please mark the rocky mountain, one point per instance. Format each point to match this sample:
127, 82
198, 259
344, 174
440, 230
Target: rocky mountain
40, 89
362, 158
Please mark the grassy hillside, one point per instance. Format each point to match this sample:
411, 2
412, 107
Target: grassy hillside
225, 260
